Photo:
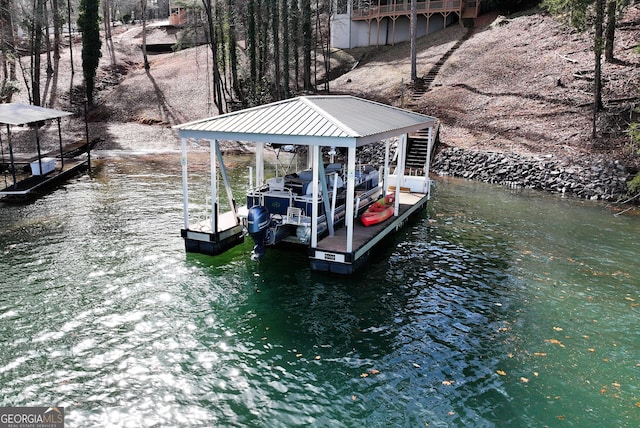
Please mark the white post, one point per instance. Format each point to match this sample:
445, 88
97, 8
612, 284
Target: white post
402, 147
185, 191
214, 185
427, 179
325, 193
227, 183
334, 197
351, 188
259, 164
310, 156
315, 154
387, 149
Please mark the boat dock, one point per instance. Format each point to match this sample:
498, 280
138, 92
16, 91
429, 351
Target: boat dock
319, 207
330, 254
29, 175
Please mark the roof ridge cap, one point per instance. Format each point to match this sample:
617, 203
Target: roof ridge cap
340, 124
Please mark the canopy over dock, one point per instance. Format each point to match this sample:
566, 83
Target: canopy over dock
43, 166
335, 121
23, 114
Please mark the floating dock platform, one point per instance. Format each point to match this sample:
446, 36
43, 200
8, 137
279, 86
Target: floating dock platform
317, 208
29, 176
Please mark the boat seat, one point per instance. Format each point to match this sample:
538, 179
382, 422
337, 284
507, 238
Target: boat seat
276, 183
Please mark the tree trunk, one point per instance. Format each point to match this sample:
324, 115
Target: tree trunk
296, 32
251, 47
610, 31
275, 28
108, 39
143, 6
70, 39
57, 25
36, 50
285, 48
263, 47
213, 45
233, 53
7, 42
306, 45
597, 49
47, 43
412, 30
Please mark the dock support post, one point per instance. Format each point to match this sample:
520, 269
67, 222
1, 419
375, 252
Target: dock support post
315, 154
60, 141
214, 187
351, 187
227, 183
385, 175
259, 164
402, 155
427, 168
325, 193
185, 191
13, 164
39, 150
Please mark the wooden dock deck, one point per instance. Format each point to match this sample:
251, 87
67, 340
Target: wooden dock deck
34, 185
200, 238
331, 254
226, 221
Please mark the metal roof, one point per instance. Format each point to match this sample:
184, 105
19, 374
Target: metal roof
22, 114
337, 120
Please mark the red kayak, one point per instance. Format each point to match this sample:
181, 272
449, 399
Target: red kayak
379, 211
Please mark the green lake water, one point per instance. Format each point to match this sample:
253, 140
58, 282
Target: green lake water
495, 308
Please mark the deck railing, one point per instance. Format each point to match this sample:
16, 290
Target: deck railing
374, 10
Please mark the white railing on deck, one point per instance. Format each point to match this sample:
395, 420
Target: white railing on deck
405, 8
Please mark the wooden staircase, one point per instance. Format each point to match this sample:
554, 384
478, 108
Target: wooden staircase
418, 151
421, 85
433, 73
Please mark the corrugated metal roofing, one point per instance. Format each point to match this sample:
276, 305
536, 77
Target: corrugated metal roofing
310, 120
22, 114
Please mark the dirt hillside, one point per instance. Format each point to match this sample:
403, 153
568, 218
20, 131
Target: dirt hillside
519, 83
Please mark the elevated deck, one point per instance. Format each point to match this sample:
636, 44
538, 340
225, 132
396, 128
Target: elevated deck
378, 10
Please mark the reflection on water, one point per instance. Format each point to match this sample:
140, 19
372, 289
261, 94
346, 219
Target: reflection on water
497, 308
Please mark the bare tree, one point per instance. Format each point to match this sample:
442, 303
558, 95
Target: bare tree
413, 24
143, 7
306, 45
597, 49
36, 50
213, 45
106, 19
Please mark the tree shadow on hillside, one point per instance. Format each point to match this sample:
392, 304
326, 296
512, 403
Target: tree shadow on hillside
534, 97
162, 103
